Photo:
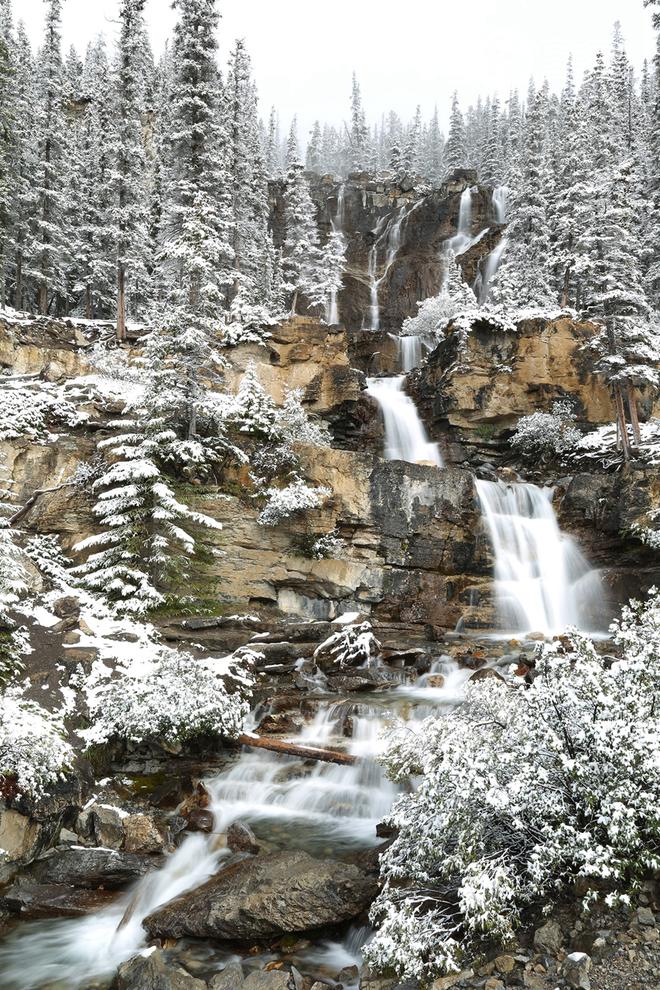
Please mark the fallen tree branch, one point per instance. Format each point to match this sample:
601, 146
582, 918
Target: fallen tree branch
292, 749
23, 511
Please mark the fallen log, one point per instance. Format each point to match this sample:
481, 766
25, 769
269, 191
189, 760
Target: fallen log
292, 749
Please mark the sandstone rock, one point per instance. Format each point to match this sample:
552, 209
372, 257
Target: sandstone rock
548, 938
19, 836
90, 868
231, 978
505, 964
276, 979
446, 982
141, 835
151, 971
265, 897
576, 969
493, 984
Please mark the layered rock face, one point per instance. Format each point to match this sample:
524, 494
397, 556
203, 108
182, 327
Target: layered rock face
376, 216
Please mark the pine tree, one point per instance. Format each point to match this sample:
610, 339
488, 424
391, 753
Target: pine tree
455, 150
313, 161
130, 166
412, 153
301, 241
327, 274
24, 164
8, 140
358, 134
273, 149
51, 236
433, 167
196, 263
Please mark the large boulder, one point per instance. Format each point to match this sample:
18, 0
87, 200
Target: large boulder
151, 971
98, 867
266, 897
31, 899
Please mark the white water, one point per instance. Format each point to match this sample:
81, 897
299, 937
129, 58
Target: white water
391, 235
500, 203
543, 583
405, 436
410, 352
462, 240
490, 266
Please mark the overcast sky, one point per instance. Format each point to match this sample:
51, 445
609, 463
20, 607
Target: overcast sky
404, 53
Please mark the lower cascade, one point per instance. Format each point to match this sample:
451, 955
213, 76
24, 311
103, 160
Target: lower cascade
543, 583
405, 436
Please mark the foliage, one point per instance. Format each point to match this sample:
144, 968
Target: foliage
14, 639
351, 646
296, 497
26, 413
544, 436
33, 752
164, 694
523, 791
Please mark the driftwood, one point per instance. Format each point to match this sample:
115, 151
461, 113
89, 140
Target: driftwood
23, 511
292, 749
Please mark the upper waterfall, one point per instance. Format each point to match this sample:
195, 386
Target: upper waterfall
543, 582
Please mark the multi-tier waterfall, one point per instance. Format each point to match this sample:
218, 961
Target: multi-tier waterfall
462, 239
543, 583
500, 203
405, 436
489, 267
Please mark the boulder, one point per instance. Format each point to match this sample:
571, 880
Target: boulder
266, 897
548, 938
141, 835
231, 977
19, 835
576, 969
51, 900
151, 971
97, 867
241, 838
275, 979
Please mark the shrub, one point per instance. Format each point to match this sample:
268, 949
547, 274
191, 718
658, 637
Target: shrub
34, 754
544, 436
285, 502
522, 792
164, 694
351, 646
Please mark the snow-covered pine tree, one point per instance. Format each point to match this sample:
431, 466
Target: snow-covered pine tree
145, 543
455, 149
328, 272
130, 169
433, 167
313, 154
412, 152
524, 277
8, 140
302, 238
359, 133
50, 232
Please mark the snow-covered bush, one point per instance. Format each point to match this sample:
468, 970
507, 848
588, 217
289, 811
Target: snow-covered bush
436, 312
294, 424
253, 409
351, 646
522, 792
648, 535
164, 694
328, 545
602, 444
34, 753
295, 498
25, 413
544, 436
14, 639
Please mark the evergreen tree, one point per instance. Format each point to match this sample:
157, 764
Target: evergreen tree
24, 164
455, 150
8, 139
130, 167
313, 161
50, 232
301, 241
358, 134
433, 168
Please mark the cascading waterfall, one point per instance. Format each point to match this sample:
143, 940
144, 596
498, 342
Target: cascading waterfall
410, 352
462, 240
490, 266
333, 808
392, 237
500, 203
543, 583
405, 436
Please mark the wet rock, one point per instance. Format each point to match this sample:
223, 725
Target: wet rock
435, 680
19, 835
231, 977
576, 969
152, 972
267, 897
141, 835
241, 838
51, 900
276, 979
200, 820
487, 674
89, 868
548, 938
107, 825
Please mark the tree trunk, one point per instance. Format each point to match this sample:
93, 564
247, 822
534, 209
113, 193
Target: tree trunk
634, 418
292, 749
121, 301
621, 416
566, 286
43, 299
294, 304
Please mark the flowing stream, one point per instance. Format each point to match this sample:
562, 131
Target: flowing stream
543, 583
328, 810
405, 436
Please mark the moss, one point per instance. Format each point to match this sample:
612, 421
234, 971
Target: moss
143, 784
186, 605
99, 757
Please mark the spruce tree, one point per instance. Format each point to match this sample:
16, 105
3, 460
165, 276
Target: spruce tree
24, 164
358, 133
301, 241
455, 150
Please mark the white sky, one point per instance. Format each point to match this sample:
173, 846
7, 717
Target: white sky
404, 53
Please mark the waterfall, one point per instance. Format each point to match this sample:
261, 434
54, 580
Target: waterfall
338, 222
490, 266
392, 238
462, 240
410, 352
543, 583
405, 436
500, 202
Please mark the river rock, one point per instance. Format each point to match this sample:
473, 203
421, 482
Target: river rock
266, 897
241, 838
83, 867
231, 977
151, 971
141, 835
51, 900
275, 979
